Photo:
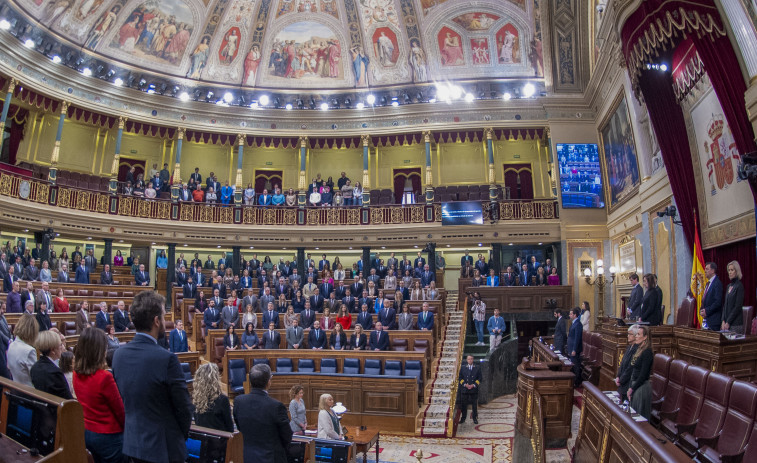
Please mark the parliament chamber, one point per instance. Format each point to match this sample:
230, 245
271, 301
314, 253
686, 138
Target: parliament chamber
491, 231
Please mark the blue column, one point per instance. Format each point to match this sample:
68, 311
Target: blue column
240, 158
52, 176
113, 184
490, 156
302, 184
176, 185
366, 175
6, 107
429, 175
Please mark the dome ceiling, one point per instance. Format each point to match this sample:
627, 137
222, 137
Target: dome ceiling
306, 44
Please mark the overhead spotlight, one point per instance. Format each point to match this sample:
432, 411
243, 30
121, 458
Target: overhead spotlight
528, 90
370, 99
469, 97
228, 97
56, 59
395, 103
663, 67
118, 82
184, 96
29, 43
4, 24
507, 96
264, 100
360, 105
442, 92
324, 106
456, 91
288, 106
86, 71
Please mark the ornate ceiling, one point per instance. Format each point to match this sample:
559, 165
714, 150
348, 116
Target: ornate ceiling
310, 44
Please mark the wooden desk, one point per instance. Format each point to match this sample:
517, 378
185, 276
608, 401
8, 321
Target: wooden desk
711, 350
234, 441
364, 439
540, 352
556, 391
608, 434
522, 299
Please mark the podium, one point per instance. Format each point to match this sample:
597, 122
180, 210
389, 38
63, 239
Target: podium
555, 390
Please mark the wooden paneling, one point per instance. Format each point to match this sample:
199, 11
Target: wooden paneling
522, 299
555, 390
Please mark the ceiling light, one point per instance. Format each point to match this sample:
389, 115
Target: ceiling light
317, 249
56, 59
469, 97
506, 96
539, 244
228, 97
219, 246
252, 247
120, 241
395, 103
288, 106
26, 230
442, 92
324, 106
153, 244
448, 245
29, 43
254, 105
186, 245
350, 247
456, 91
184, 96
370, 99
528, 90
479, 245
89, 237
416, 246
86, 71
510, 244
4, 24
360, 105
264, 100
432, 100
118, 82
663, 67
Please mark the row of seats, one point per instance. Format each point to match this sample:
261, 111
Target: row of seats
238, 371
591, 357
69, 178
709, 415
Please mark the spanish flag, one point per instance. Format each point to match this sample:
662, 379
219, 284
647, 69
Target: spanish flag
698, 279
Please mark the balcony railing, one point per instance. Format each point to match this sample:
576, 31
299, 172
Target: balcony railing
42, 192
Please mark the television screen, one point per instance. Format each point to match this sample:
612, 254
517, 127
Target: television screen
462, 213
205, 447
580, 176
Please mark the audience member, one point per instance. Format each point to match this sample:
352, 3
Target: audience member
271, 338
121, 320
425, 319
712, 301
338, 339
496, 327
733, 319
297, 411
585, 316
378, 339
249, 338
479, 316
561, 335
623, 380
231, 339
640, 391
575, 343
113, 342
211, 407
650, 306
45, 374
21, 353
178, 338
328, 424
43, 318
294, 335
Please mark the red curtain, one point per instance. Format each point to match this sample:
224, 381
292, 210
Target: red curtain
267, 179
16, 132
400, 176
124, 164
519, 179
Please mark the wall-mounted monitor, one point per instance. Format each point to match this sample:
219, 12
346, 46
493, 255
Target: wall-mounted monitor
580, 176
462, 213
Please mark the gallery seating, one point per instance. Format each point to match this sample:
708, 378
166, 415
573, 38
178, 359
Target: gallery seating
659, 378
672, 397
739, 419
711, 416
691, 403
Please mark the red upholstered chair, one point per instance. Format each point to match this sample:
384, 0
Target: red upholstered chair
739, 419
686, 313
83, 292
69, 328
672, 399
218, 352
659, 378
112, 294
750, 453
68, 292
711, 417
97, 293
749, 314
691, 402
399, 344
420, 345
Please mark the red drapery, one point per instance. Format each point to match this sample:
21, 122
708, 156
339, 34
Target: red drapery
518, 178
124, 164
400, 176
265, 177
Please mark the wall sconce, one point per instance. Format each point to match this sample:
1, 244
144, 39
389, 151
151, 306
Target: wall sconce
599, 282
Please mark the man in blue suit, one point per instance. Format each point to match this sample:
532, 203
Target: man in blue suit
264, 199
387, 318
227, 193
82, 275
153, 388
317, 337
271, 315
379, 340
323, 263
178, 338
262, 420
575, 343
427, 276
365, 318
102, 320
141, 278
212, 316
712, 301
425, 319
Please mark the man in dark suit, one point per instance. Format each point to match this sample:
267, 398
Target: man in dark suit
419, 259
82, 275
178, 338
387, 318
481, 265
341, 290
153, 388
364, 299
271, 338
43, 295
365, 318
309, 262
349, 301
637, 295
466, 258
141, 278
102, 319
560, 334
265, 299
63, 274
425, 319
31, 272
209, 264
121, 320
712, 301
323, 263
294, 335
317, 337
270, 315
575, 343
427, 276
307, 316
524, 275
379, 340
250, 299
181, 277
283, 288
196, 176
508, 279
470, 380
263, 421
212, 316
106, 276
356, 287
326, 288
9, 279
316, 301
189, 290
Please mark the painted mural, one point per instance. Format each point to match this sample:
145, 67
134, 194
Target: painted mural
378, 12
385, 46
508, 45
619, 156
306, 50
476, 21
307, 6
450, 47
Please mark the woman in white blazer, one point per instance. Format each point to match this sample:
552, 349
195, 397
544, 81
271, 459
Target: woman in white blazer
328, 423
21, 353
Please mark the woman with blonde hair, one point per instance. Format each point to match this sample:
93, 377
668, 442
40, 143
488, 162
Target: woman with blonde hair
297, 410
211, 406
21, 353
733, 319
640, 391
46, 375
328, 423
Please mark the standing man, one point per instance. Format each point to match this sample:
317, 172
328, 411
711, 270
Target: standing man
229, 315
141, 278
466, 258
470, 379
425, 319
294, 335
559, 339
575, 342
379, 340
634, 301
106, 277
496, 327
178, 338
153, 388
82, 275
121, 319
712, 301
263, 421
102, 319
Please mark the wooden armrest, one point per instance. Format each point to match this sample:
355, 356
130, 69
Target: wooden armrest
708, 441
687, 427
736, 458
669, 415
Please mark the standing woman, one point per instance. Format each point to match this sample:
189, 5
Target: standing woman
344, 318
734, 299
249, 338
290, 317
21, 353
298, 302
399, 301
118, 261
162, 260
651, 303
212, 408
357, 194
405, 319
60, 303
640, 391
553, 279
357, 340
231, 339
623, 380
328, 423
297, 410
338, 338
100, 399
585, 315
44, 273
63, 259
46, 375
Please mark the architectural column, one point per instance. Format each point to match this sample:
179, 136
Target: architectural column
240, 158
113, 185
744, 32
52, 175
176, 185
43, 239
108, 251
236, 259
497, 258
431, 258
429, 174
301, 263
366, 177
6, 107
170, 272
302, 184
366, 260
490, 158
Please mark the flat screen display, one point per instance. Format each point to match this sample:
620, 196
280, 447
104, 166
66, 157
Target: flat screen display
462, 213
202, 447
580, 176
31, 423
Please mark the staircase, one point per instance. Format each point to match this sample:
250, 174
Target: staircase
435, 416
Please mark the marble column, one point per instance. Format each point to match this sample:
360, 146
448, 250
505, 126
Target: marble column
240, 158
52, 175
429, 174
301, 262
6, 107
431, 258
176, 185
108, 251
366, 260
366, 175
236, 260
113, 184
490, 158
